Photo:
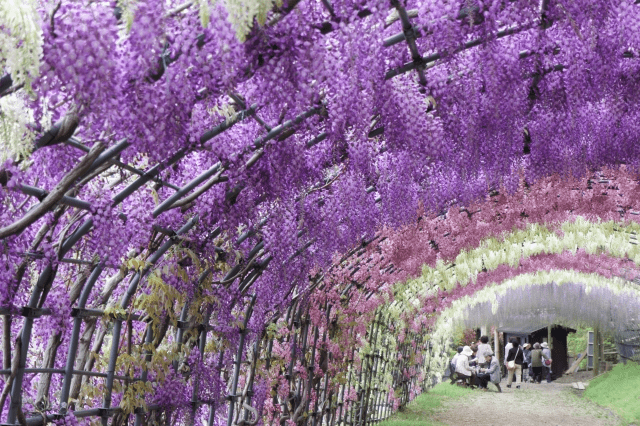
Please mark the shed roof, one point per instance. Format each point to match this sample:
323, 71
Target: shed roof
528, 327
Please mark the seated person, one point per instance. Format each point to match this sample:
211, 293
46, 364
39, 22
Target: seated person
473, 360
452, 366
463, 369
489, 374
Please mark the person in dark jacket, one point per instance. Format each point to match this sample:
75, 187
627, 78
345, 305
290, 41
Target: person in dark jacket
536, 363
515, 354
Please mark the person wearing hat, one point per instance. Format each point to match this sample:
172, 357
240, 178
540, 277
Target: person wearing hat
536, 363
491, 373
546, 361
526, 352
463, 370
452, 366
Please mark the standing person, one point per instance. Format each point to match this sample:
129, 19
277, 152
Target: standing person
536, 363
526, 351
507, 347
515, 355
463, 370
452, 365
483, 348
546, 361
491, 373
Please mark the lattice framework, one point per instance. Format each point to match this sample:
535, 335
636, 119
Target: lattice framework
372, 405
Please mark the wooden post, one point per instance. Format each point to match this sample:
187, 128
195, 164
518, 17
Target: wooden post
496, 345
549, 338
601, 350
596, 352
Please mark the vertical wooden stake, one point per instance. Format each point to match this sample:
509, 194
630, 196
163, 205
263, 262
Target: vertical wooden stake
601, 347
596, 352
496, 345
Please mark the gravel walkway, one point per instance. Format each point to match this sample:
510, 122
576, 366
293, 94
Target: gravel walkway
556, 404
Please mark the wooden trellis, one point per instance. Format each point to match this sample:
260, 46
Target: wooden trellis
372, 403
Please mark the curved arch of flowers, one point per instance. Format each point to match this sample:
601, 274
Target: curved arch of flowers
554, 223
593, 237
610, 195
435, 301
412, 307
468, 143
602, 264
602, 249
414, 314
628, 298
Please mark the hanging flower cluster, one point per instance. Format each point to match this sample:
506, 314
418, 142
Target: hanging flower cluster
224, 180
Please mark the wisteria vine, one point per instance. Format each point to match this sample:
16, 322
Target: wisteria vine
293, 179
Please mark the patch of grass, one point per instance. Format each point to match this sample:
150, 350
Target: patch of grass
421, 409
447, 390
618, 389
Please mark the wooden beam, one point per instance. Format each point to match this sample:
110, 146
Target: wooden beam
576, 363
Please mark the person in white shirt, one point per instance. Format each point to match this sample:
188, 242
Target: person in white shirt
463, 369
483, 348
506, 352
546, 355
452, 365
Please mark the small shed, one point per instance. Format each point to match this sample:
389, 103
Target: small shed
537, 333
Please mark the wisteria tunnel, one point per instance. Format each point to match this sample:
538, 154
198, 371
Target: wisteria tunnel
256, 212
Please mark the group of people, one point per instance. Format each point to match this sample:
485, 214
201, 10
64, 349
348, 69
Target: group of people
524, 361
477, 365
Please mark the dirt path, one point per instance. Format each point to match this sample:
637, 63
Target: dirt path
544, 404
